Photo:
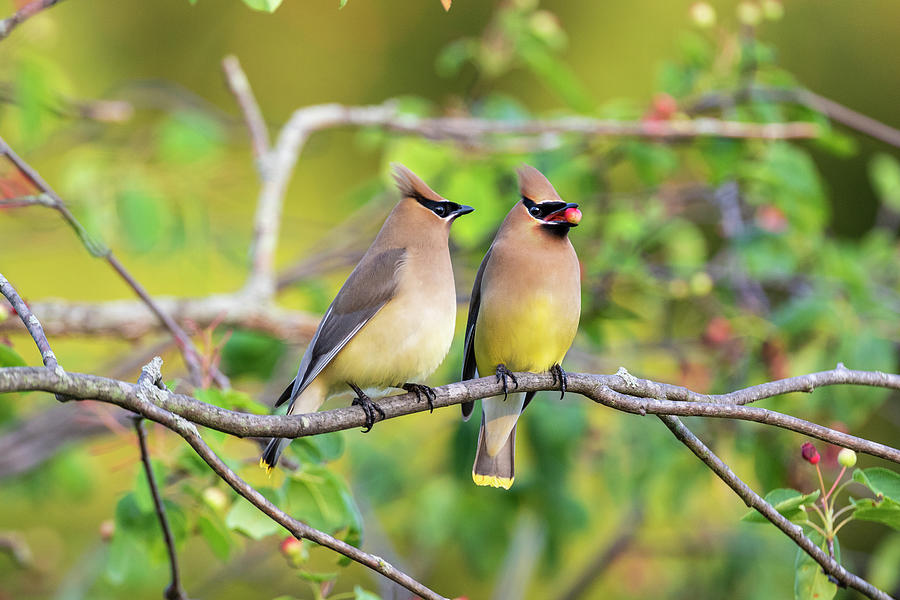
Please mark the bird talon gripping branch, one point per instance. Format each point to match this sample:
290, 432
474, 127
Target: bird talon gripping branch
369, 407
502, 375
421, 390
560, 377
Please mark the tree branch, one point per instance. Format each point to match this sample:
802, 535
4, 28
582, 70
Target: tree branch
130, 319
831, 109
174, 591
622, 392
754, 500
305, 121
239, 86
24, 13
188, 431
31, 323
52, 199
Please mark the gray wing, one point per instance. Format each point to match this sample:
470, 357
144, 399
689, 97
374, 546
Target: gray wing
371, 284
469, 366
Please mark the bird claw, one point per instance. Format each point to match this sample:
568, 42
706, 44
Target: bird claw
561, 377
369, 407
422, 390
502, 374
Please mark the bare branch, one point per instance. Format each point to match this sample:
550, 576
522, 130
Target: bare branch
831, 109
188, 351
173, 591
31, 323
621, 392
24, 13
754, 500
299, 529
239, 86
307, 120
131, 319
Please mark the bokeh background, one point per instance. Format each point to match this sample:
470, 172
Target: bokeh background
166, 178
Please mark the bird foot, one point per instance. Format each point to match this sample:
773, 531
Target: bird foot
369, 407
421, 390
502, 375
561, 377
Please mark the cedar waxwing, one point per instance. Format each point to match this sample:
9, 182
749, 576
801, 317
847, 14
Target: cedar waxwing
393, 319
523, 315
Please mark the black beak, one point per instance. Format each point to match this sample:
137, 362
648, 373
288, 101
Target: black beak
462, 210
557, 217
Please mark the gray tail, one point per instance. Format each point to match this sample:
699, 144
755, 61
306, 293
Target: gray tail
495, 471
273, 451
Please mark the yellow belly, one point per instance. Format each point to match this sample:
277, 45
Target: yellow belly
527, 334
405, 341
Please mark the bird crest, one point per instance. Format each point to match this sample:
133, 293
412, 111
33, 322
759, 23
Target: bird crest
411, 186
534, 186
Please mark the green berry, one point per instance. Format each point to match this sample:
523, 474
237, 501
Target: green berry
847, 458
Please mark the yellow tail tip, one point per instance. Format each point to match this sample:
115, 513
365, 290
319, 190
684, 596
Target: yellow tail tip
264, 465
493, 481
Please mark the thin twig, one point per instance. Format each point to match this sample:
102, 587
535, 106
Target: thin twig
828, 107
188, 351
754, 500
174, 590
24, 13
637, 396
189, 432
31, 323
239, 86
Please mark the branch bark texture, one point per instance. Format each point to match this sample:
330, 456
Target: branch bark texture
622, 392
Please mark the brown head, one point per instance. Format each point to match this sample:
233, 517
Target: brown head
422, 214
541, 212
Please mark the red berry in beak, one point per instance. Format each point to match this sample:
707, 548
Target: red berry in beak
573, 215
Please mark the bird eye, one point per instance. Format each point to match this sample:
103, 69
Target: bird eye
440, 210
535, 211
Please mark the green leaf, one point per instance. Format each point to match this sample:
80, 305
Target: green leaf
787, 502
886, 511
231, 399
884, 171
142, 495
653, 162
361, 594
251, 353
342, 3
265, 5
134, 530
316, 577
882, 482
317, 496
143, 217
216, 535
189, 136
810, 583
10, 358
249, 520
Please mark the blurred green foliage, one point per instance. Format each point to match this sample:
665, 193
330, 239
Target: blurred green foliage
715, 263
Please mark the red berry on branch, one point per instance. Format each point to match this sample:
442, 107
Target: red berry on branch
291, 547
